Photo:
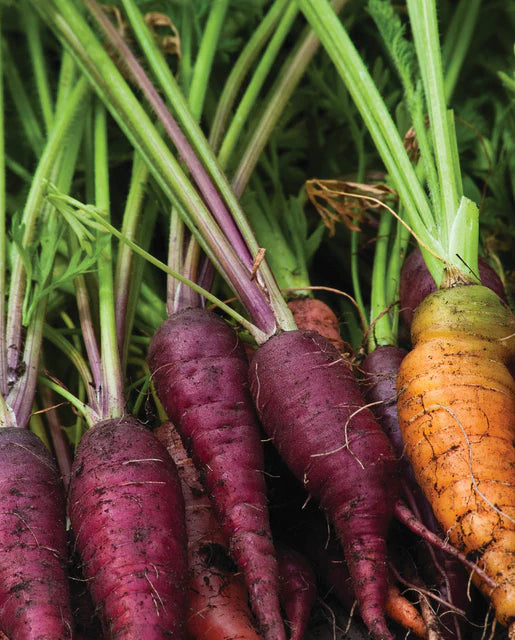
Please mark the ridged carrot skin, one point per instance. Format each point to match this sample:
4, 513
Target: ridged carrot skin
311, 407
457, 415
34, 594
200, 370
127, 513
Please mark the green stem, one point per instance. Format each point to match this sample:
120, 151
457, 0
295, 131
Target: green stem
204, 60
425, 33
457, 41
354, 269
98, 217
357, 134
151, 309
196, 94
277, 99
78, 361
67, 80
458, 221
112, 397
200, 145
380, 326
240, 70
258, 78
17, 169
33, 205
85, 410
378, 121
390, 28
23, 105
142, 396
393, 275
3, 238
32, 26
37, 426
186, 66
133, 120
124, 264
21, 395
146, 234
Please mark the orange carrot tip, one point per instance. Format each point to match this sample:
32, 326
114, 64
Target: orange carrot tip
402, 611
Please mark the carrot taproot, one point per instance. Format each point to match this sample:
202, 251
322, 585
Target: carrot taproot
297, 589
402, 611
218, 599
311, 407
127, 512
200, 372
34, 592
457, 414
320, 545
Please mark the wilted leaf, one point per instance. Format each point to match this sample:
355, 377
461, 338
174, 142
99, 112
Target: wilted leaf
339, 201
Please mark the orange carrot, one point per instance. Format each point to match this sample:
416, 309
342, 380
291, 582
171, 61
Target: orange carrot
457, 414
314, 315
404, 613
218, 599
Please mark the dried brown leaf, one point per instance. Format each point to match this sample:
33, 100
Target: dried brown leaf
170, 44
335, 203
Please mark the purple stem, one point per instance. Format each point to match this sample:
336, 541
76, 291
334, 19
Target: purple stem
206, 275
88, 330
61, 448
21, 396
211, 196
185, 297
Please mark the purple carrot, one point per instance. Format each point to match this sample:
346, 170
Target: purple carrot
200, 368
127, 511
380, 369
311, 407
34, 593
297, 589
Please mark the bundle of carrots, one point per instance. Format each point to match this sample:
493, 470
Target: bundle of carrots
227, 450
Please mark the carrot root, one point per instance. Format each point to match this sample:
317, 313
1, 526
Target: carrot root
200, 372
127, 513
310, 405
404, 613
34, 593
218, 599
457, 411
